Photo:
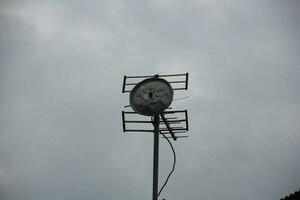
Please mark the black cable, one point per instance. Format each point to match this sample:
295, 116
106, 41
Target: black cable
174, 163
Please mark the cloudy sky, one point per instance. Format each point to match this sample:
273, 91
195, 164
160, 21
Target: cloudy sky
61, 70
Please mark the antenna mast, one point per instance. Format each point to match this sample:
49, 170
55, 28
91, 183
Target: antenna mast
151, 96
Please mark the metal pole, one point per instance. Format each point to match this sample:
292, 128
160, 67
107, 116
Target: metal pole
155, 157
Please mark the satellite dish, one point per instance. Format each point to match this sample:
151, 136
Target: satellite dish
151, 96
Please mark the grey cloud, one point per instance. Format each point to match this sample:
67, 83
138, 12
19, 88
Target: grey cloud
61, 99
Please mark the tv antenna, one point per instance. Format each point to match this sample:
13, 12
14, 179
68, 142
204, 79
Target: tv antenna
150, 98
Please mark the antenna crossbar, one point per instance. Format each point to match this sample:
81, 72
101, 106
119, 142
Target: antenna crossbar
175, 123
178, 81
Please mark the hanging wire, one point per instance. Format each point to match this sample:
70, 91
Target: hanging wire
174, 163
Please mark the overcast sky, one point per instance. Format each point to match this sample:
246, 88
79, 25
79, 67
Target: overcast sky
61, 70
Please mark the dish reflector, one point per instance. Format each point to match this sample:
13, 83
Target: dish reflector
151, 96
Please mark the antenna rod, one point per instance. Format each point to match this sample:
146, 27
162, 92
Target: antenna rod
168, 126
155, 157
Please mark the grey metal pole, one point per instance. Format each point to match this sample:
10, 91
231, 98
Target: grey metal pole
155, 157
